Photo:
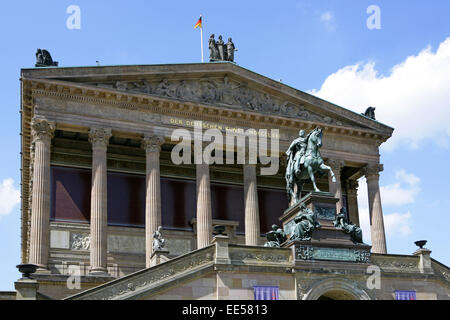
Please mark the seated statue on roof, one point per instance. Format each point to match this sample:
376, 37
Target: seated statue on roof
44, 59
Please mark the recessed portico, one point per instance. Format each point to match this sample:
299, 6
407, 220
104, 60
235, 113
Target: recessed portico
132, 158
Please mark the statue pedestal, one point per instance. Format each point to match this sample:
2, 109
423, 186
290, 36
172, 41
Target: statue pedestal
158, 257
327, 243
323, 204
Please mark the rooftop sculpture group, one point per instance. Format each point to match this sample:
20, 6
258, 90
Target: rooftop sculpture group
220, 51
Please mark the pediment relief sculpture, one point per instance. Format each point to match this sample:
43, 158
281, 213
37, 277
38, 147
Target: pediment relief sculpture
226, 92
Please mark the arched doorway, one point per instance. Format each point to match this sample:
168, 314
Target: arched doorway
337, 295
336, 289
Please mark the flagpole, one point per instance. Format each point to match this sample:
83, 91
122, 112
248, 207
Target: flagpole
201, 37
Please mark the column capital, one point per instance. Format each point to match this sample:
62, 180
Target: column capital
99, 137
372, 169
335, 164
42, 129
352, 185
152, 143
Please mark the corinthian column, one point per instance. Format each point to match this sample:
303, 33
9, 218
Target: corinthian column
204, 212
99, 139
335, 187
152, 147
375, 210
252, 228
42, 132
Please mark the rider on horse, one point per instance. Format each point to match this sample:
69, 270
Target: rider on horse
304, 160
296, 150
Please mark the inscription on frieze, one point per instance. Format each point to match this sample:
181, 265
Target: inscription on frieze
334, 254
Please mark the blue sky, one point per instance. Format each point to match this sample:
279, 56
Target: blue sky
323, 47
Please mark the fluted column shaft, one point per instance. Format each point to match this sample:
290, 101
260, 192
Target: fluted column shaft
204, 212
42, 132
99, 139
152, 147
352, 201
375, 209
252, 227
335, 187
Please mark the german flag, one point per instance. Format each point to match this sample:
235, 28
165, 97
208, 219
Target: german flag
199, 23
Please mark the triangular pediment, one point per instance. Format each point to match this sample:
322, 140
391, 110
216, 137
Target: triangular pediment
219, 84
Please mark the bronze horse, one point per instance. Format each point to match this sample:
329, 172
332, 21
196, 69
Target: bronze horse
297, 174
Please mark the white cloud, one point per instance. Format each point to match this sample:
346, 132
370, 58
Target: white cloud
328, 19
397, 224
403, 191
9, 197
397, 193
327, 16
414, 98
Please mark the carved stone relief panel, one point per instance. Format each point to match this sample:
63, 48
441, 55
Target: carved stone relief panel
223, 91
80, 241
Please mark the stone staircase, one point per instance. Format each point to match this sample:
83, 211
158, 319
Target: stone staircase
139, 283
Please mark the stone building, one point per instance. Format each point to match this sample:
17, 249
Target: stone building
98, 179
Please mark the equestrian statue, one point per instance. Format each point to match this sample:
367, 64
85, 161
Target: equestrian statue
303, 161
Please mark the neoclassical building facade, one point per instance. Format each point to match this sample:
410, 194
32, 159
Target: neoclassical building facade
98, 179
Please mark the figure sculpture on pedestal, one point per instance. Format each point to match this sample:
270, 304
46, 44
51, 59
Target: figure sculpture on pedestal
221, 48
305, 223
275, 237
158, 241
213, 51
230, 50
304, 160
341, 222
